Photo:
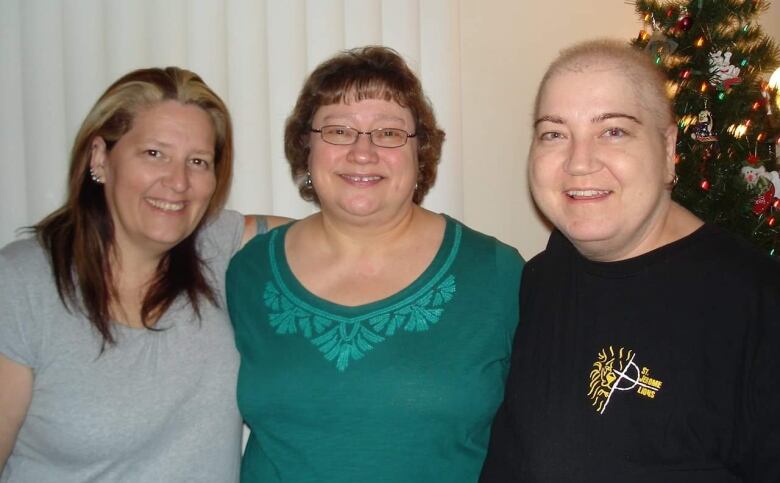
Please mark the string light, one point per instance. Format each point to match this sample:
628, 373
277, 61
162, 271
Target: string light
737, 130
703, 87
687, 120
672, 88
699, 42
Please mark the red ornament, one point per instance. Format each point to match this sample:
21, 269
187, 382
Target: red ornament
772, 221
685, 23
764, 201
752, 159
776, 204
705, 185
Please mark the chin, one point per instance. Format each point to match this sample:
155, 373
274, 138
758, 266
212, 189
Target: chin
587, 232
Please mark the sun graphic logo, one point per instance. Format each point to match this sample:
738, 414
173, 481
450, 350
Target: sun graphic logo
616, 371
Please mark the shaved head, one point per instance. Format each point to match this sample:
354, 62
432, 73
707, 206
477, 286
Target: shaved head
606, 54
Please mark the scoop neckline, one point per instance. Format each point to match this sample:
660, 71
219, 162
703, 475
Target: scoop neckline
289, 284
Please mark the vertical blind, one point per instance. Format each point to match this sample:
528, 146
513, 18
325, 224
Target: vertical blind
58, 56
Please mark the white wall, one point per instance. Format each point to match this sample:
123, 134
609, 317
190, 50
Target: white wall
506, 47
503, 49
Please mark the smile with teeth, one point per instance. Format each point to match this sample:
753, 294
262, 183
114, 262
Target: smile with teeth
586, 194
166, 205
360, 179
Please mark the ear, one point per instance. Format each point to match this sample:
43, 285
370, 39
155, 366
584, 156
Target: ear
670, 143
97, 157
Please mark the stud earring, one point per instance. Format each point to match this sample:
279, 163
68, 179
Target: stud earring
308, 181
94, 176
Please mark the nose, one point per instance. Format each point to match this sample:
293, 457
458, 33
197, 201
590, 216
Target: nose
582, 157
363, 150
177, 177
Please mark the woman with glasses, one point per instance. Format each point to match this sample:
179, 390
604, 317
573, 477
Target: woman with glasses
374, 334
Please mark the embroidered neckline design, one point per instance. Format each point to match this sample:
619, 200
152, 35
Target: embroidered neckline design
344, 339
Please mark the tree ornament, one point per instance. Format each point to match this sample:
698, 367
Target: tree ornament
724, 75
684, 21
705, 185
772, 221
703, 129
752, 159
764, 201
752, 175
660, 44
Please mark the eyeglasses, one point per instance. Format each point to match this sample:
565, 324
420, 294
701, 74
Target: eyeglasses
385, 137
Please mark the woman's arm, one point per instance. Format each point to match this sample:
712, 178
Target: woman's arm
257, 224
16, 383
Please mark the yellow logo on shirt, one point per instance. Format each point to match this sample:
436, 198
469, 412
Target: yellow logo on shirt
617, 372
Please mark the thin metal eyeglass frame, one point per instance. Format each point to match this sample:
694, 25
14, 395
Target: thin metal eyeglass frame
370, 135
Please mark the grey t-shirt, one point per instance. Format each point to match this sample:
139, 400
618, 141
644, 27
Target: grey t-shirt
159, 406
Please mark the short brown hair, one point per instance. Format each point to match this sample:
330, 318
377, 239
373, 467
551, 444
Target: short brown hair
648, 79
79, 236
372, 72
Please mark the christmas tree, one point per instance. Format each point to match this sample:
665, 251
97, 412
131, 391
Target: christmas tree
718, 63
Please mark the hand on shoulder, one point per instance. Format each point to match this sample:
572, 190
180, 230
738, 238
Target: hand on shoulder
258, 224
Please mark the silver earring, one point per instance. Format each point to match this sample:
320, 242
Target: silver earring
675, 180
94, 176
308, 181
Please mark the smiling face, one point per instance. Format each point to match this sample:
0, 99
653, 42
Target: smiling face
363, 180
600, 164
159, 177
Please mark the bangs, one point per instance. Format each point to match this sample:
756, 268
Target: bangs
355, 89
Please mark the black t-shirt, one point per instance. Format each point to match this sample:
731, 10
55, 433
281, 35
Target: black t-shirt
664, 367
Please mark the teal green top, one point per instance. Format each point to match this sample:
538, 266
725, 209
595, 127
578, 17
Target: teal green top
399, 390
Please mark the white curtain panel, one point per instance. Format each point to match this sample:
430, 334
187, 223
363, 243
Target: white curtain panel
57, 57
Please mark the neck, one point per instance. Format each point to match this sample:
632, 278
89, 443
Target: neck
674, 224
131, 274
368, 237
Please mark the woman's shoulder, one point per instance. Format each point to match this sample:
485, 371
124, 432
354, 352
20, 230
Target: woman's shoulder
484, 242
728, 251
255, 253
25, 256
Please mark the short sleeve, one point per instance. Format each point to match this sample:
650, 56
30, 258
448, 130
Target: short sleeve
18, 330
222, 235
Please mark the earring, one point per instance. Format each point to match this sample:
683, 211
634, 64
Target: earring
94, 176
308, 181
675, 180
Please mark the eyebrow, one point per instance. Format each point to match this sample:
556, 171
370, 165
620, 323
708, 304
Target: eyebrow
165, 145
552, 119
599, 118
378, 117
613, 115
